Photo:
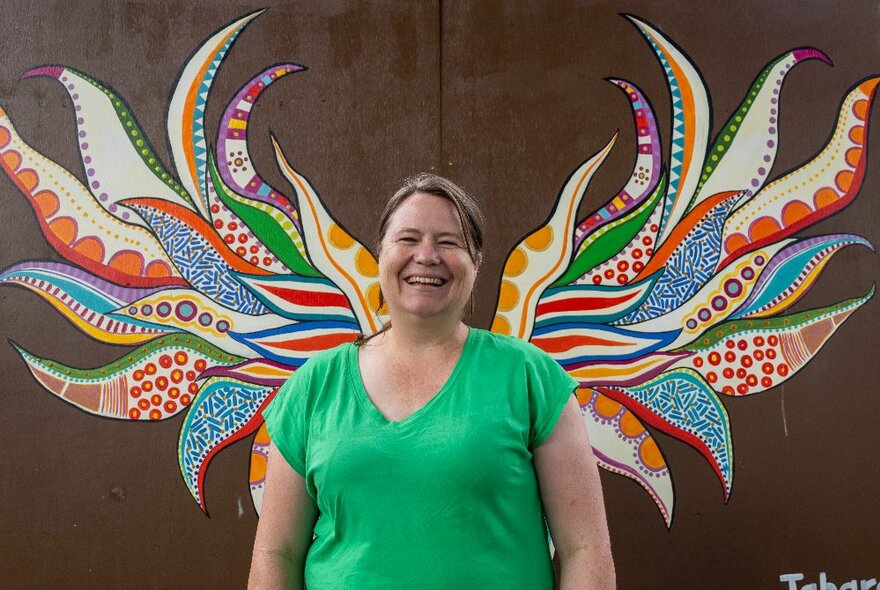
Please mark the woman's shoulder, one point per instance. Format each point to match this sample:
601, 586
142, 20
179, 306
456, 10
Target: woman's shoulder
509, 346
330, 357
321, 364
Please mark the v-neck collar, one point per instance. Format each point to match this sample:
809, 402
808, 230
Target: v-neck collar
361, 391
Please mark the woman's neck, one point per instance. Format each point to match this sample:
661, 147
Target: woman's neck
420, 336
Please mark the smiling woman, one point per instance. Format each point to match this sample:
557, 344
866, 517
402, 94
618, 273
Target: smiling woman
427, 455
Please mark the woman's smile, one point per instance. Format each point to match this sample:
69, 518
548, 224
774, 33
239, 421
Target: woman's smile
421, 280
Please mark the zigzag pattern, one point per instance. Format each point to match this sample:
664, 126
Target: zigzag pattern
676, 150
200, 148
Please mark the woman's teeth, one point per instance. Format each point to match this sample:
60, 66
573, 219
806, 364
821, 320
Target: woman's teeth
425, 280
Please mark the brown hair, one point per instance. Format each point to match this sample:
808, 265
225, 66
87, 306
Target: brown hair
469, 214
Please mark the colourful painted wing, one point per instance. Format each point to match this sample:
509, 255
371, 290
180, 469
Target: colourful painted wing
674, 291
209, 273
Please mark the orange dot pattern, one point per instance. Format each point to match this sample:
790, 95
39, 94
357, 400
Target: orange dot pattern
259, 458
516, 280
818, 188
748, 363
163, 383
646, 455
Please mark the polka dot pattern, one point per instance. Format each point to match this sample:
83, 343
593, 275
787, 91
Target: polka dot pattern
624, 266
155, 381
351, 268
749, 356
240, 239
163, 384
750, 363
187, 312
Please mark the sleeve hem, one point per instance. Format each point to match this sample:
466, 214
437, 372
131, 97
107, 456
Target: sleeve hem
297, 466
546, 430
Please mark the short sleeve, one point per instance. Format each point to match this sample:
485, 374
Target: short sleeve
286, 422
549, 389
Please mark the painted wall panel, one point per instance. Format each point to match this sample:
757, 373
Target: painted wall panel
510, 99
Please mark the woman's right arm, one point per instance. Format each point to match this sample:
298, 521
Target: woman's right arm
284, 532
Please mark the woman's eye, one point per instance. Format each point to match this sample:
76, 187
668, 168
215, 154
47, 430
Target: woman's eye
407, 240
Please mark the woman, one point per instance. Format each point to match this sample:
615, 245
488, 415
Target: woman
431, 451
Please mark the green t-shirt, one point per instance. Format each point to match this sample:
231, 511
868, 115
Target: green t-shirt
446, 498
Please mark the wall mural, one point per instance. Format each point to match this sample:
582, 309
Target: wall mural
669, 296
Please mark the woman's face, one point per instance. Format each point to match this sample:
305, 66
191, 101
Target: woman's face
424, 266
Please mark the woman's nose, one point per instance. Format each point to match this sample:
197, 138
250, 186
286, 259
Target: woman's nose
427, 253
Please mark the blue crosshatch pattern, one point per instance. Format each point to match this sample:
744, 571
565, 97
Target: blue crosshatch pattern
199, 263
221, 409
691, 265
688, 404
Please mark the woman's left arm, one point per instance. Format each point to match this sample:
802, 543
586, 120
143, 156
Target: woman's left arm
572, 497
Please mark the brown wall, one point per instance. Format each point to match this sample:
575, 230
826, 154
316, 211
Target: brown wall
507, 98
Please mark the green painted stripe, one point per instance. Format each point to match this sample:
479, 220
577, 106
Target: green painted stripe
611, 239
274, 229
775, 325
173, 342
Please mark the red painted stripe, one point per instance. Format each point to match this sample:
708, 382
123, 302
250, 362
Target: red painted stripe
564, 343
306, 298
313, 343
586, 303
